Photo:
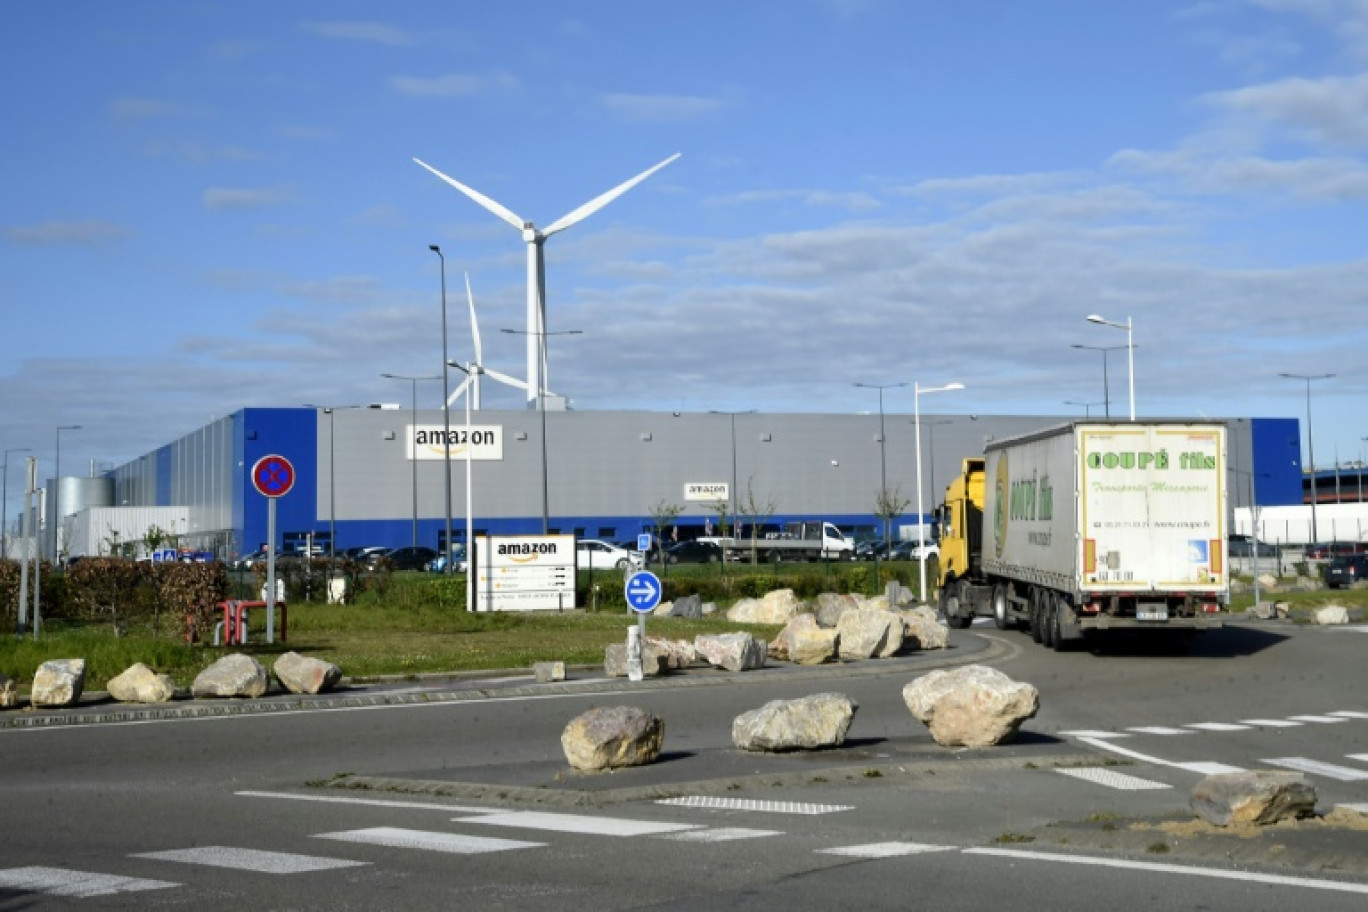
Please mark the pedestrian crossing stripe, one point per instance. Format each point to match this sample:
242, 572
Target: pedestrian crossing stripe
719, 834
1160, 730
577, 823
1271, 723
1113, 779
1317, 768
1218, 726
1324, 720
255, 860
451, 843
746, 804
886, 849
78, 884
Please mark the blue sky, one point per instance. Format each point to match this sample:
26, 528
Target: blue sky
213, 205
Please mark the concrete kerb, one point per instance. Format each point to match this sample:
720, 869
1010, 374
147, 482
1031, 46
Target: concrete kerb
96, 707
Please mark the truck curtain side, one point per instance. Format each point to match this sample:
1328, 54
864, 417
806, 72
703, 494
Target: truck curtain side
1090, 527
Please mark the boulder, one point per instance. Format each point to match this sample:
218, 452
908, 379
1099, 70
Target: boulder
1330, 614
821, 720
679, 654
305, 675
654, 662
870, 633
779, 646
1267, 580
1257, 797
1283, 610
548, 672
922, 625
897, 594
813, 647
875, 603
777, 607
9, 693
236, 675
732, 651
1262, 611
58, 683
612, 737
972, 706
831, 605
688, 606
140, 684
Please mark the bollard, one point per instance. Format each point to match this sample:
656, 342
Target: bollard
634, 644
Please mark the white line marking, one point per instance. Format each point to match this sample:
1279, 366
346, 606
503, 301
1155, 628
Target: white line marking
719, 834
1359, 808
1274, 879
371, 802
578, 823
1088, 733
1270, 723
747, 804
1317, 768
1349, 714
452, 843
1205, 769
1208, 769
254, 860
1218, 726
886, 849
1160, 730
1363, 757
80, 884
1113, 779
1322, 719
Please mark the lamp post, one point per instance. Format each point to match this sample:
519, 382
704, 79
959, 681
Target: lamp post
332, 477
734, 491
446, 410
1130, 353
1106, 388
1310, 445
883, 464
4, 503
541, 407
917, 391
57, 494
413, 455
472, 372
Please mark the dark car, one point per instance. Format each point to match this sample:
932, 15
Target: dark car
1245, 546
871, 550
408, 557
693, 552
1342, 572
1327, 550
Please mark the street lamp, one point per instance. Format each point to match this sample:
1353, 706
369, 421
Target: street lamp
446, 411
734, 492
472, 372
541, 407
1086, 406
1310, 445
4, 503
1130, 354
917, 392
57, 494
1106, 388
883, 465
413, 455
332, 478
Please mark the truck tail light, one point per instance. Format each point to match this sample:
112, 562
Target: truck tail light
1092, 607
1210, 607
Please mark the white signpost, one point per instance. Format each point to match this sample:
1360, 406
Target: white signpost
524, 572
273, 477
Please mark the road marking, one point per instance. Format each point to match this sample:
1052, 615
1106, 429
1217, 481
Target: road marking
255, 860
80, 884
1363, 757
578, 823
719, 834
1359, 808
1218, 726
747, 804
371, 802
1322, 719
451, 843
1113, 779
1316, 767
1205, 769
1271, 723
1160, 730
1247, 876
886, 849
1349, 714
1088, 733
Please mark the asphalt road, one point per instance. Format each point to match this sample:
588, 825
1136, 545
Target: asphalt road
460, 796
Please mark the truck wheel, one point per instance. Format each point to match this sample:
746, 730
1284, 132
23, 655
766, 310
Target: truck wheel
950, 607
1057, 641
1048, 619
1001, 618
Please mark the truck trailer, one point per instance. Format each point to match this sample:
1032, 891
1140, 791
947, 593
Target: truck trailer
1089, 527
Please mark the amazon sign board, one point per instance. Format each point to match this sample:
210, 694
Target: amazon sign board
484, 441
706, 491
524, 572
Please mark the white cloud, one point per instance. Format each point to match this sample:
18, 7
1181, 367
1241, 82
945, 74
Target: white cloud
661, 108
1203, 172
849, 201
1332, 110
223, 198
453, 85
89, 232
197, 152
373, 32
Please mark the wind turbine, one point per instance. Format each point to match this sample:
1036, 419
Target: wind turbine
472, 380
535, 238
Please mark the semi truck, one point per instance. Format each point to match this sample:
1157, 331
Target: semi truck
808, 540
1089, 527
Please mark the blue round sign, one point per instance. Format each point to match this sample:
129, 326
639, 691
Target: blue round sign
643, 591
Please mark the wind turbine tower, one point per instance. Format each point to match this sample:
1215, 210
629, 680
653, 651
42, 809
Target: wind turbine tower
535, 238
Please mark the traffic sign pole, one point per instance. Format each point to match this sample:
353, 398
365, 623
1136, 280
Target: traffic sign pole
270, 569
642, 590
273, 476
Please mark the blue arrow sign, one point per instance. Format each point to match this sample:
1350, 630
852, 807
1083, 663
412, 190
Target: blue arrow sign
643, 591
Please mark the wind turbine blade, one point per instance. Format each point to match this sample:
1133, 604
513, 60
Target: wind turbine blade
594, 205
474, 323
502, 212
505, 379
456, 393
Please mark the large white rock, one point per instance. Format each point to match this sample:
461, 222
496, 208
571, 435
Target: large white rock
779, 646
831, 605
305, 674
820, 720
236, 675
777, 607
1331, 614
654, 662
611, 737
813, 647
140, 684
925, 627
972, 706
732, 651
870, 633
1259, 797
58, 682
679, 654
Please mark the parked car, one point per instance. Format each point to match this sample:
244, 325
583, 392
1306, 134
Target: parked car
1245, 546
694, 552
246, 561
1327, 550
361, 552
407, 558
458, 558
590, 552
912, 550
872, 550
1342, 572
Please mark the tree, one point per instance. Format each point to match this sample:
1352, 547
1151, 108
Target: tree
757, 511
889, 504
663, 514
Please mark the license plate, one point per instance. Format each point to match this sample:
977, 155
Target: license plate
1152, 613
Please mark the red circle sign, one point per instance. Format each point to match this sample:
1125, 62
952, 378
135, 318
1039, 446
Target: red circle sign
273, 476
